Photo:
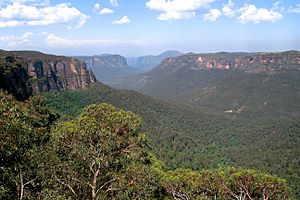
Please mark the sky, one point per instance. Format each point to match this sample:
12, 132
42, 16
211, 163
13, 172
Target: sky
143, 27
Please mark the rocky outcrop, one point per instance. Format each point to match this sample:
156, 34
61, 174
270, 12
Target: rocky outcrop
248, 62
69, 74
178, 74
244, 84
25, 72
108, 67
104, 61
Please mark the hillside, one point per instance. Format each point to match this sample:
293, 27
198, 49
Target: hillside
102, 154
199, 138
109, 67
244, 84
148, 62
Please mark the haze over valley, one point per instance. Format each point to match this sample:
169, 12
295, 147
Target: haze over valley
152, 99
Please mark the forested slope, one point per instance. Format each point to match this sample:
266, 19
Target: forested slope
199, 138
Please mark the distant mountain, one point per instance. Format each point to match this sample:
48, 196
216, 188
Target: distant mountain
109, 67
25, 72
235, 83
146, 63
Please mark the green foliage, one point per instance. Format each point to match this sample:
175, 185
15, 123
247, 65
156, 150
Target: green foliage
199, 138
138, 181
24, 129
182, 183
229, 183
100, 154
255, 85
14, 77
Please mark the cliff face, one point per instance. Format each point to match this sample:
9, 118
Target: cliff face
176, 76
248, 62
59, 75
22, 73
246, 84
109, 67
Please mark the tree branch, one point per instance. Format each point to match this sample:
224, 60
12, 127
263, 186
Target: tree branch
30, 181
105, 184
178, 196
63, 183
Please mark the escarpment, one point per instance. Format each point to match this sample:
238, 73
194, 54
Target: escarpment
24, 73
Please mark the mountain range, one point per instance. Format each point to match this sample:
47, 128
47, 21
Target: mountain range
235, 83
109, 67
148, 62
226, 109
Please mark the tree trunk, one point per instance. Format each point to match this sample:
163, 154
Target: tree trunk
21, 185
94, 184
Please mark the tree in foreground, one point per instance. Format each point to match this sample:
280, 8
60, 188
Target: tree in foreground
101, 155
231, 183
24, 131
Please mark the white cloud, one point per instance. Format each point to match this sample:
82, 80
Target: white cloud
11, 23
228, 9
13, 41
103, 11
26, 2
106, 11
97, 7
54, 41
250, 13
174, 15
17, 14
123, 20
212, 15
114, 3
177, 9
295, 9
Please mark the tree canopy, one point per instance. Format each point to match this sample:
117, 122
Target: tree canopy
103, 154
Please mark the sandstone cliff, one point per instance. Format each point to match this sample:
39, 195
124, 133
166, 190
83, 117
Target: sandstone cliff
58, 75
179, 74
26, 72
248, 62
109, 67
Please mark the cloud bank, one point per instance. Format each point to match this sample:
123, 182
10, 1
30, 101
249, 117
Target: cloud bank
176, 9
20, 14
250, 13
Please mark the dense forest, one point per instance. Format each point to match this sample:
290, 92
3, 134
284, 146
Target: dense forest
187, 137
102, 153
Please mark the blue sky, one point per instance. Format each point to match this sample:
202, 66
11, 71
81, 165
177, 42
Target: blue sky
140, 27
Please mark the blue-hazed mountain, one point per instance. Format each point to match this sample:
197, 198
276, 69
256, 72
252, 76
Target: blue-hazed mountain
238, 83
146, 63
108, 67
